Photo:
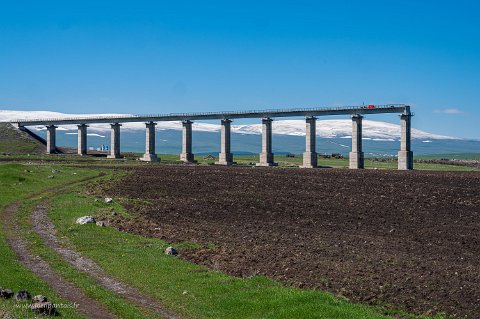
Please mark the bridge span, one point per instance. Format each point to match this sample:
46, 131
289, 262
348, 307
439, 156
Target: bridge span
310, 156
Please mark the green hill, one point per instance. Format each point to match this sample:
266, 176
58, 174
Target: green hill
16, 141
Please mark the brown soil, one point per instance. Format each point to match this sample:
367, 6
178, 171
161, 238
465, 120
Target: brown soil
408, 240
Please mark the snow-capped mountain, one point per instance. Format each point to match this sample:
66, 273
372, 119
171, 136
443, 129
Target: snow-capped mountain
374, 130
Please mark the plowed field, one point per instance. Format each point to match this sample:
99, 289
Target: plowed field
406, 239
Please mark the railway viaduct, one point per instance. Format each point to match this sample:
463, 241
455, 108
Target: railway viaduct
405, 155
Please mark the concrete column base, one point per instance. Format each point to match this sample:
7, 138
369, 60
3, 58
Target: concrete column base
224, 163
356, 160
225, 159
405, 160
310, 160
116, 156
52, 152
51, 139
149, 158
82, 140
187, 158
266, 159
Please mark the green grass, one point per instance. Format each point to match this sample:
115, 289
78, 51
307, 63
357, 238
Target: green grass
18, 146
13, 140
457, 156
421, 166
16, 184
185, 288
282, 160
115, 303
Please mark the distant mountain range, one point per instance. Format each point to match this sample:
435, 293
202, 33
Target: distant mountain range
380, 138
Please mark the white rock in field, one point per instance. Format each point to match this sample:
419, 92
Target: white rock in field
108, 200
85, 220
101, 223
171, 251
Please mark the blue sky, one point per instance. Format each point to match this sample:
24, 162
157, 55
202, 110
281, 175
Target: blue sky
175, 56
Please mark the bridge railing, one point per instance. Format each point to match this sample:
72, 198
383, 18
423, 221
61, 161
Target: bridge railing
186, 115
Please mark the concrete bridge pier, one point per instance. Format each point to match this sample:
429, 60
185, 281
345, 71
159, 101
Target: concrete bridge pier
225, 157
356, 155
51, 139
310, 157
150, 155
266, 156
115, 140
82, 139
187, 155
405, 156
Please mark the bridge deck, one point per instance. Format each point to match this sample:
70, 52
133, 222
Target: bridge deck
273, 113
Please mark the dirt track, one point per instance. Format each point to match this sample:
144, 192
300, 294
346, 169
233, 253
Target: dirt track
86, 305
46, 230
407, 239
